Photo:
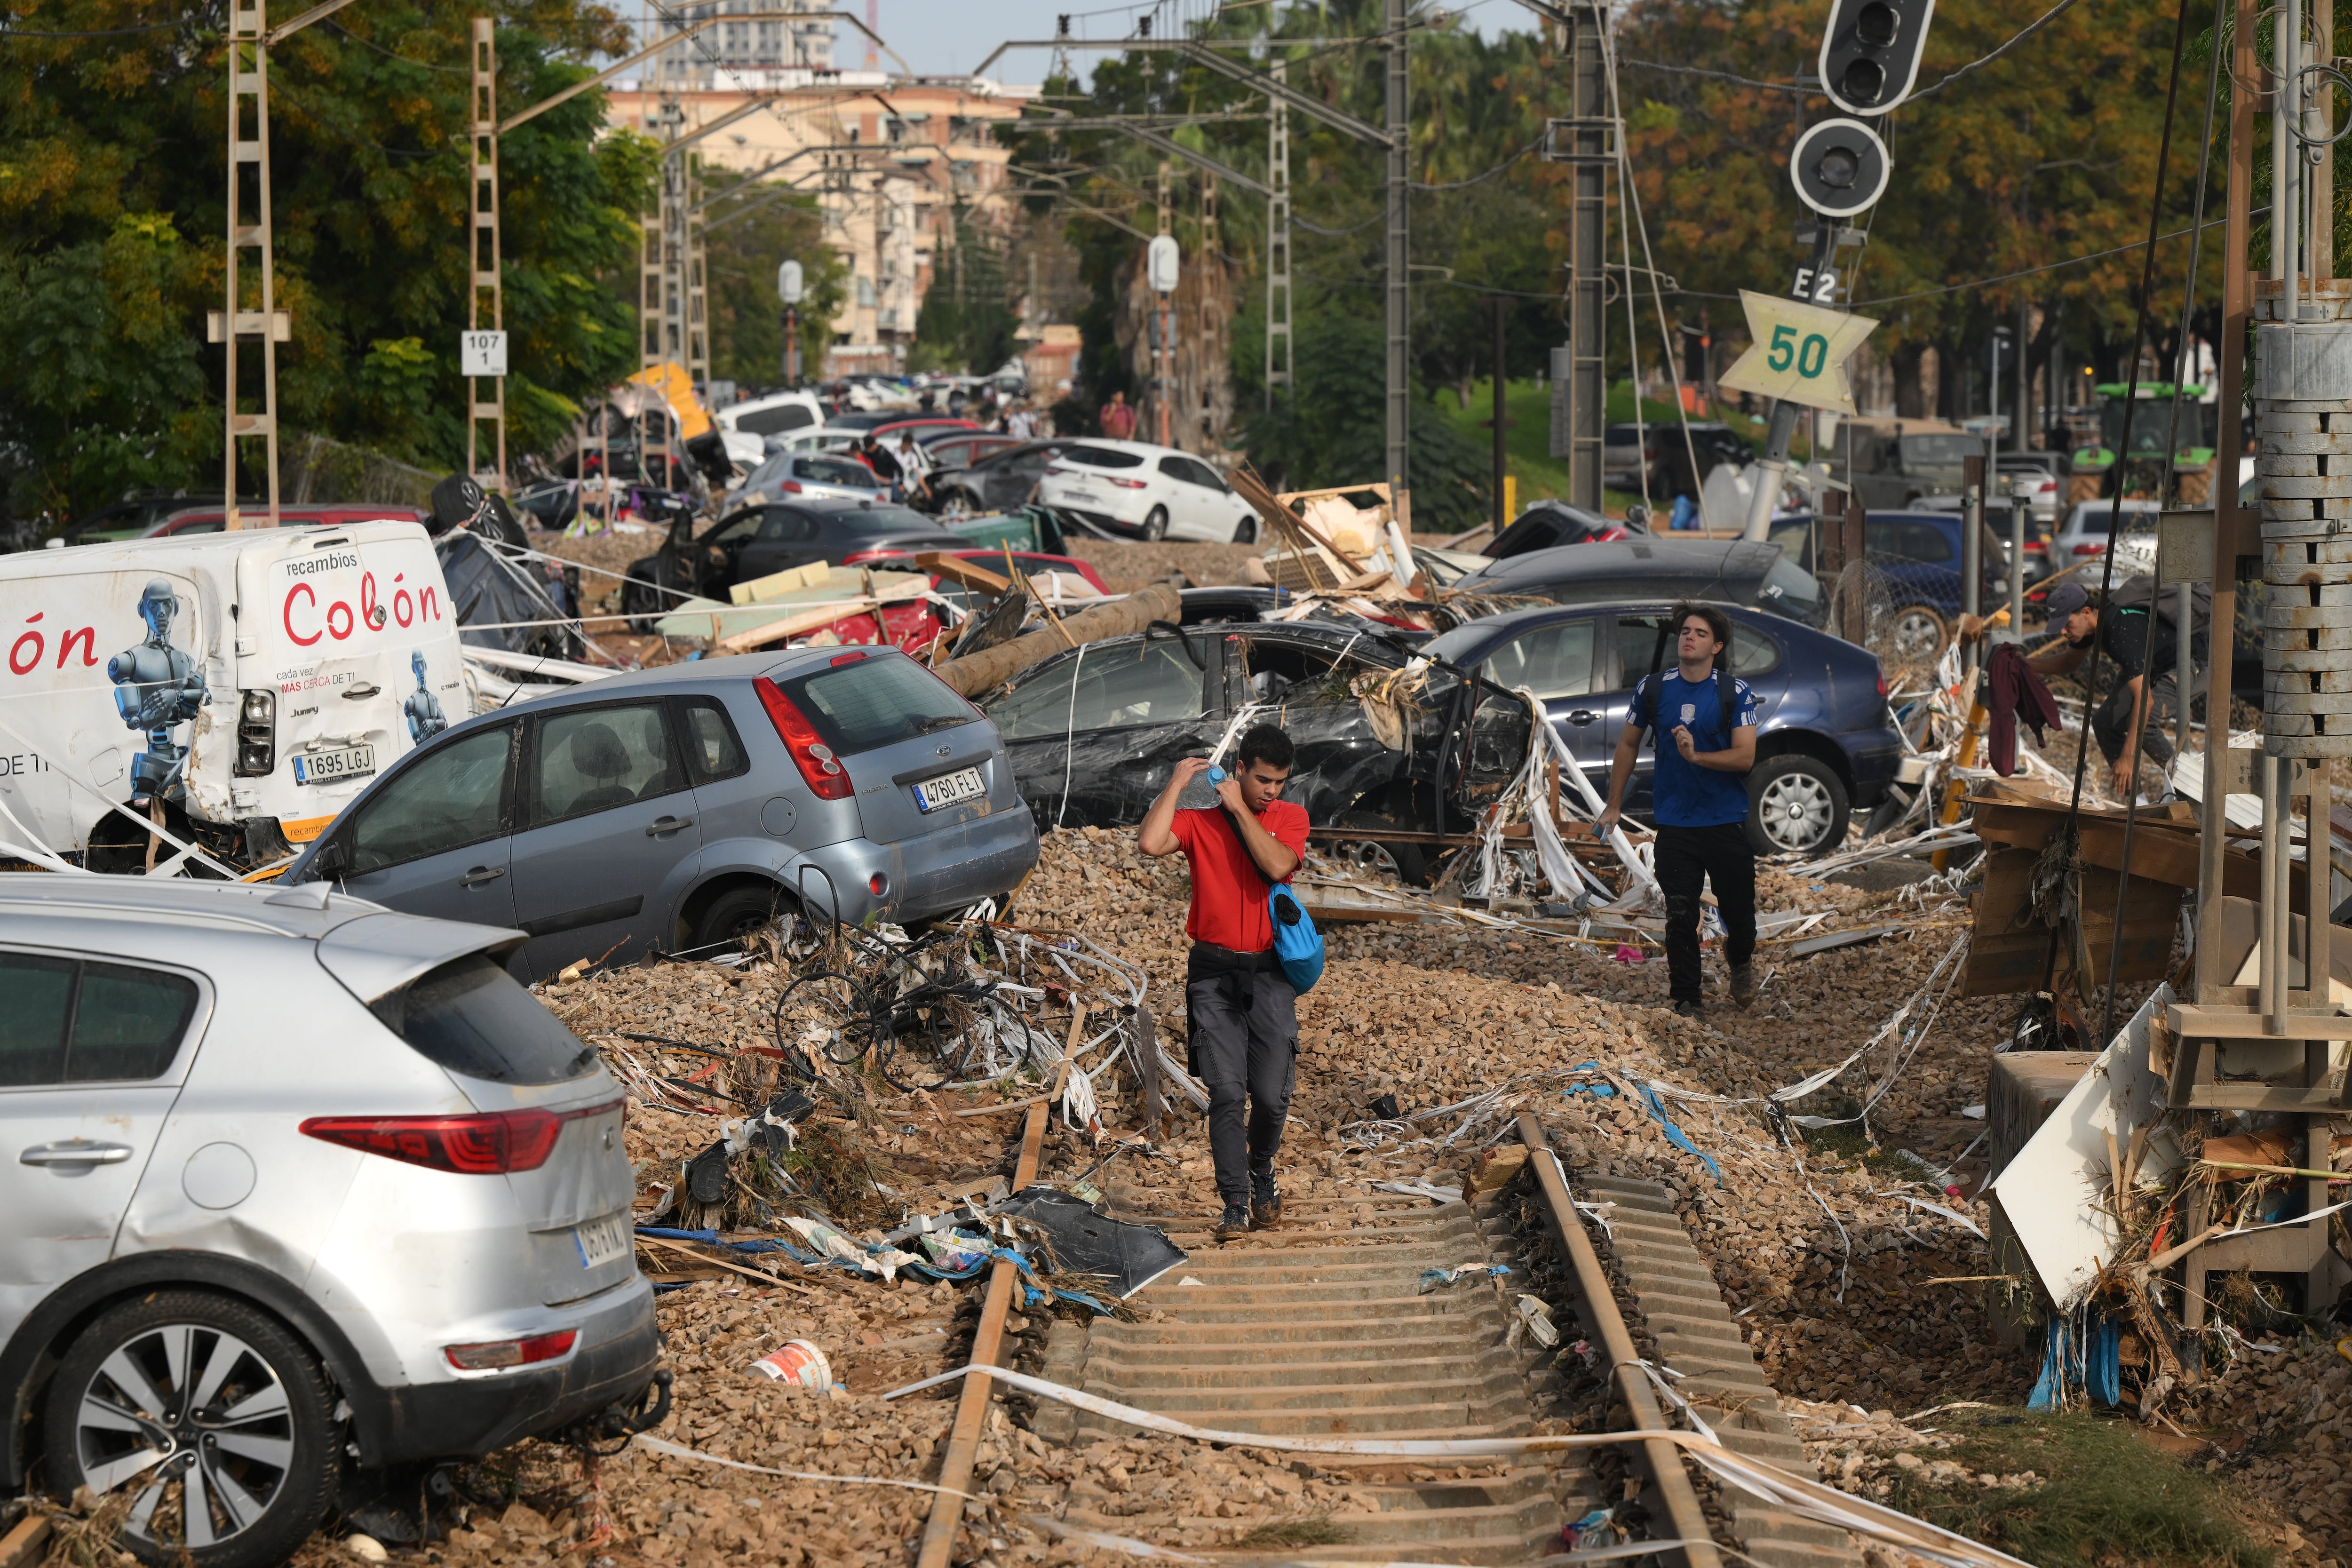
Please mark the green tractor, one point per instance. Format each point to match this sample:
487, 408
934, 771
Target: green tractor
2103, 469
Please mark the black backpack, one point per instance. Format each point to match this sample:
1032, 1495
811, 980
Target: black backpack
1727, 694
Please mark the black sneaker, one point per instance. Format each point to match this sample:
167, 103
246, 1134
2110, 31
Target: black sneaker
1690, 1009
1234, 1224
1266, 1213
1743, 986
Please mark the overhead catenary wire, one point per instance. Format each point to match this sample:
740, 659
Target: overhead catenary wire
1938, 85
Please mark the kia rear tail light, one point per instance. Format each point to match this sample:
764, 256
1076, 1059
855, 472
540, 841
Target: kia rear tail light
500, 1353
493, 1143
820, 769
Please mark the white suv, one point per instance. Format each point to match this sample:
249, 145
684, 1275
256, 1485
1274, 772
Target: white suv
1158, 492
294, 1178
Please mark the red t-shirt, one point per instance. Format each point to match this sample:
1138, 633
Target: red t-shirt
1228, 890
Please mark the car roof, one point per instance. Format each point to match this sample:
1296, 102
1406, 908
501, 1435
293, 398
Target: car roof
1139, 449
259, 908
1648, 556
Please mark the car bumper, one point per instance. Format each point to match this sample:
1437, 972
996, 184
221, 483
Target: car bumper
619, 1351
933, 874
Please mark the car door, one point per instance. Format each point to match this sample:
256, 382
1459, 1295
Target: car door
1095, 733
90, 1061
432, 839
605, 833
1194, 499
1560, 662
788, 537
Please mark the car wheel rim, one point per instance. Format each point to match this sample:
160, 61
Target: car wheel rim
197, 1423
1916, 636
1366, 856
1795, 811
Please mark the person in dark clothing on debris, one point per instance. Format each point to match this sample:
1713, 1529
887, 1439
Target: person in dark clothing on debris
2130, 717
878, 457
1242, 1014
1698, 788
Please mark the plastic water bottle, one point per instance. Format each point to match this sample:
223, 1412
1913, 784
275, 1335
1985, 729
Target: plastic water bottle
1216, 776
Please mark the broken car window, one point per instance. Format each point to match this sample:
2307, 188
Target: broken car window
448, 798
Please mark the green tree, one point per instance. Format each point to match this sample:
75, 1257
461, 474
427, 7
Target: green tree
108, 143
741, 257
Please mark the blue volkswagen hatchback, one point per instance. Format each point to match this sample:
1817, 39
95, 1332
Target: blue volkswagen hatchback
1824, 740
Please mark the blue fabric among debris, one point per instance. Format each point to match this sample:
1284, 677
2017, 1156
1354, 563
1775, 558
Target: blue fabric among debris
1657, 1109
2079, 1354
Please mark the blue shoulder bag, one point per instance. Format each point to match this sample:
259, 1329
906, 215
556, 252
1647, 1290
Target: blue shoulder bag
1298, 945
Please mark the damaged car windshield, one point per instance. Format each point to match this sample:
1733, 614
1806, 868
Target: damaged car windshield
469, 1017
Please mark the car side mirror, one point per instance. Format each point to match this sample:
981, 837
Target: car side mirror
333, 859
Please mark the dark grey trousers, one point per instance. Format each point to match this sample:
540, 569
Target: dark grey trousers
1243, 1033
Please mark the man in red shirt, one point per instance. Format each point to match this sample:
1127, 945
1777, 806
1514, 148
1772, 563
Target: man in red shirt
1241, 1011
1117, 420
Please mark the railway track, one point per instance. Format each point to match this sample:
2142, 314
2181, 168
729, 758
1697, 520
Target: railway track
1330, 1326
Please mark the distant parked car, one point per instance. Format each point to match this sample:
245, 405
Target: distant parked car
1145, 491
301, 1183
1824, 742
1658, 449
2087, 530
680, 808
996, 480
1727, 570
760, 540
135, 514
809, 478
1918, 554
1094, 739
1891, 463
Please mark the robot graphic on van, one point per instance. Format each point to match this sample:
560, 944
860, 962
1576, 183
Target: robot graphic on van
425, 719
157, 688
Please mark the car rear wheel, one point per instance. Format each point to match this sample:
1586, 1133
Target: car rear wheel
1918, 633
209, 1415
1408, 863
736, 918
1796, 805
1245, 532
1155, 524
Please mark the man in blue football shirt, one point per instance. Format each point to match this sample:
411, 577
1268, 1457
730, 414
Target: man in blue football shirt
1698, 791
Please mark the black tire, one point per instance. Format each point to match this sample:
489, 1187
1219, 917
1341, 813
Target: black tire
1245, 532
1409, 861
288, 1459
1915, 633
1796, 803
641, 599
735, 917
1155, 524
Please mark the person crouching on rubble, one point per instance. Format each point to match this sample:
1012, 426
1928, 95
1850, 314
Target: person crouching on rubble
1242, 1014
1699, 798
2130, 717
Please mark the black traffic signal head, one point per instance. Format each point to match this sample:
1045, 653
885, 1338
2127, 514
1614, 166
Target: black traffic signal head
1870, 55
1840, 167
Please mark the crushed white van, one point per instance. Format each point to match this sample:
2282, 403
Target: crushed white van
250, 683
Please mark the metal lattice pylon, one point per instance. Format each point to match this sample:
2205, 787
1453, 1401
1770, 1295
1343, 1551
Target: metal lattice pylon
248, 93
1280, 368
485, 293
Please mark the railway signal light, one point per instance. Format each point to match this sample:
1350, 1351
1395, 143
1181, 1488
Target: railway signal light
1870, 55
1840, 167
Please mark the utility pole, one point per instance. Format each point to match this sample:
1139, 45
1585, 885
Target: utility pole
1589, 154
1163, 356
1278, 367
1400, 298
248, 94
1501, 465
485, 270
1206, 346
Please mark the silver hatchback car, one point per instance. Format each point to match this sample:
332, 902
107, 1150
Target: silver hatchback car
295, 1179
679, 807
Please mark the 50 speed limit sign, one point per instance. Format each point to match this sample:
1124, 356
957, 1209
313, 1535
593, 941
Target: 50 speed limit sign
1797, 352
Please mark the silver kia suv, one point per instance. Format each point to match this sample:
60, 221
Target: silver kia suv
297, 1183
